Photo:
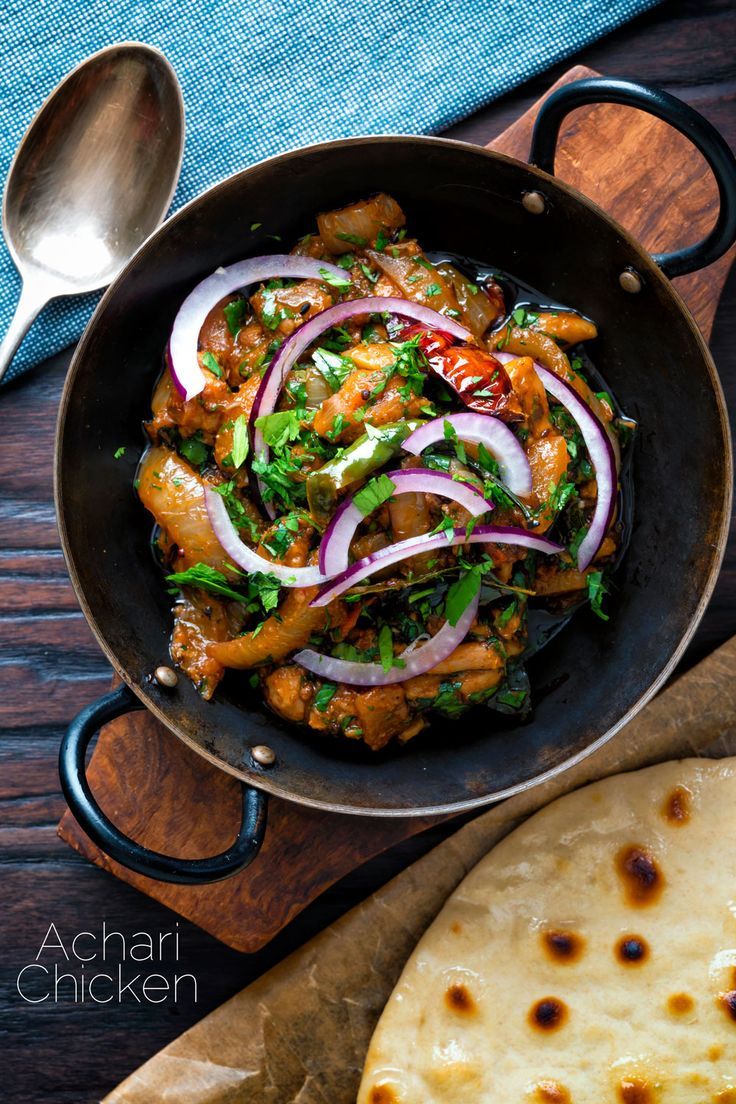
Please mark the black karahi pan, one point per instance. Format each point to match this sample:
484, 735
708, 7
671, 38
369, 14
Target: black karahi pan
594, 677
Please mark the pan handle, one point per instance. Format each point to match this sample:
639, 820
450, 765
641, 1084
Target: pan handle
682, 117
120, 847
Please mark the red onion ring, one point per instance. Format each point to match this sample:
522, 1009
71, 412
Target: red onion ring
385, 557
294, 345
184, 366
482, 429
601, 456
335, 546
417, 661
244, 556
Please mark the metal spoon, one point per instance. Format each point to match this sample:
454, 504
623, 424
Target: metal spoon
92, 178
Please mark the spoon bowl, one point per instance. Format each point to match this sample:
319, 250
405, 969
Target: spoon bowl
92, 178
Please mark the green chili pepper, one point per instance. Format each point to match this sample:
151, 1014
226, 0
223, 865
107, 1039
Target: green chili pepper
356, 462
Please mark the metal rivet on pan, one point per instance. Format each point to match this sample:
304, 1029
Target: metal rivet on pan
630, 281
533, 202
264, 755
166, 676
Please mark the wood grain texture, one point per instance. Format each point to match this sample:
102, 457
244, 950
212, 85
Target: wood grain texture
612, 155
73, 1054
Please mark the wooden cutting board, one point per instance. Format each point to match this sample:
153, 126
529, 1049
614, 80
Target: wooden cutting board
650, 179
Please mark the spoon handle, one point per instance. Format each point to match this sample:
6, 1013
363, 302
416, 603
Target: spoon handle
33, 298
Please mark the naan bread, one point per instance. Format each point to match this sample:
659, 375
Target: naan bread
589, 958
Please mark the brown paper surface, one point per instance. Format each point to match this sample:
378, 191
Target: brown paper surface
299, 1034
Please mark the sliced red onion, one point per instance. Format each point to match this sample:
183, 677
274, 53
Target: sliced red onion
601, 456
416, 661
335, 546
385, 557
184, 366
482, 429
294, 345
244, 556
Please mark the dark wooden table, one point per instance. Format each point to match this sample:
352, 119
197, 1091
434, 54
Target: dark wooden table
64, 1052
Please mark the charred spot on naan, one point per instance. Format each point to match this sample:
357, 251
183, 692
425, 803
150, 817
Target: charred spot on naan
456, 927
640, 875
727, 1001
459, 999
563, 946
635, 1090
632, 950
382, 1094
680, 1004
677, 806
551, 1092
548, 1014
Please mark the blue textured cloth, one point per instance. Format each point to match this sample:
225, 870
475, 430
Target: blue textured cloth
262, 78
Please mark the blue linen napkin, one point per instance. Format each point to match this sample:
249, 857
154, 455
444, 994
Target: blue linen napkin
262, 78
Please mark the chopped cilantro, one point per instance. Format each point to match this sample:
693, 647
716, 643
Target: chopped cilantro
381, 240
119, 453
505, 616
349, 652
597, 590
206, 578
240, 441
461, 594
432, 290
210, 362
524, 317
279, 428
354, 239
235, 315
373, 494
256, 225
331, 278
450, 434
369, 275
338, 424
386, 649
324, 696
236, 510
193, 449
447, 526
334, 368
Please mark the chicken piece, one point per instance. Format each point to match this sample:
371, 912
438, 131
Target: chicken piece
526, 342
202, 414
281, 310
423, 690
410, 517
199, 619
288, 692
239, 353
417, 278
238, 405
565, 326
553, 580
174, 494
470, 657
382, 713
532, 397
366, 396
360, 223
479, 309
549, 460
278, 636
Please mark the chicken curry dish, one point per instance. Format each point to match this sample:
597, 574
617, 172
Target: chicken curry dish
368, 467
